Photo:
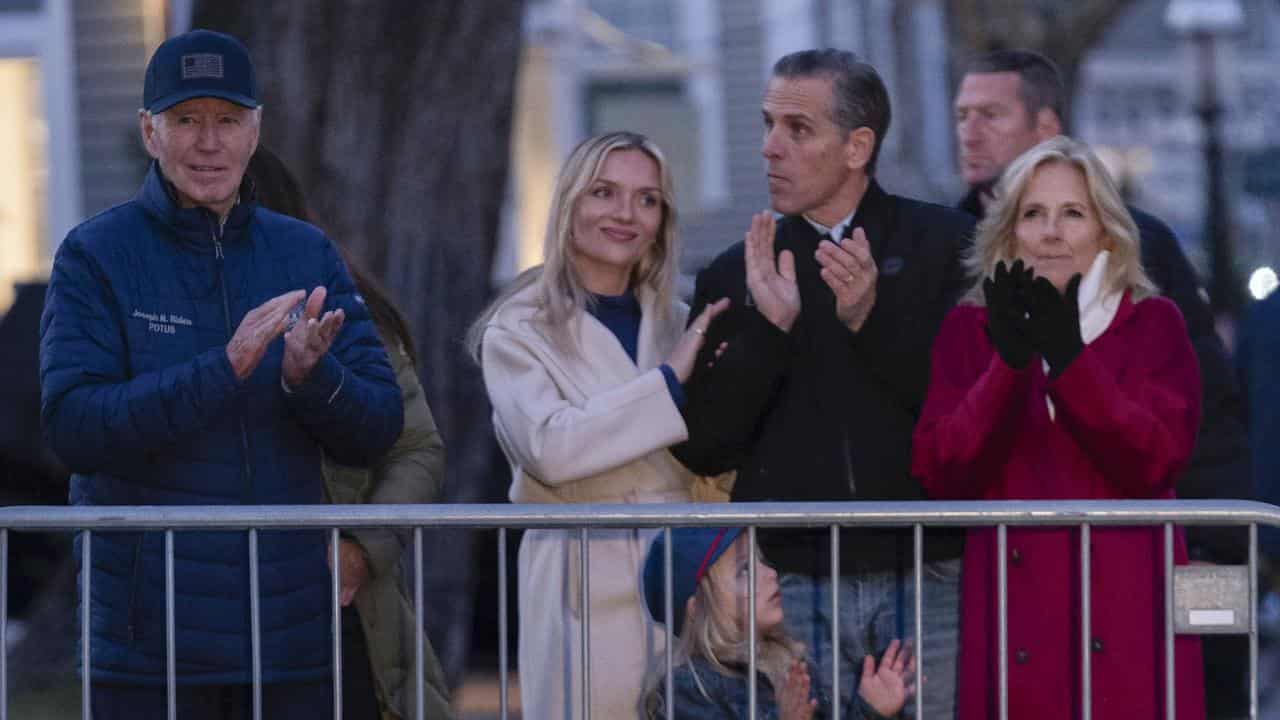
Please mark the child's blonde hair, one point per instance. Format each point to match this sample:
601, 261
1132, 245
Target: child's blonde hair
711, 634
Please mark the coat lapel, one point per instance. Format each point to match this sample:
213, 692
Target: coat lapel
604, 364
659, 331
603, 355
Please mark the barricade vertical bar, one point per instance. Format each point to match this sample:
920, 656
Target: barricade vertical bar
1170, 710
1253, 621
835, 622
1086, 618
668, 603
502, 623
585, 565
918, 550
751, 622
170, 638
335, 593
1002, 602
418, 652
4, 624
86, 669
255, 623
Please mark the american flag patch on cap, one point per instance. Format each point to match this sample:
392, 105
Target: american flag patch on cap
201, 65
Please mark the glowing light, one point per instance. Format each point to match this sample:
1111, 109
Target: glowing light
1262, 282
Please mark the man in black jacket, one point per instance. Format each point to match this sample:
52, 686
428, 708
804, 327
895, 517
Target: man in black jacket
825, 365
1008, 102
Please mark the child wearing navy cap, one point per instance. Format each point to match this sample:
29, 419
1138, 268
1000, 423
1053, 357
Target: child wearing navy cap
709, 589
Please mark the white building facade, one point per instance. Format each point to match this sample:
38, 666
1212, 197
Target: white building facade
1137, 104
40, 185
71, 84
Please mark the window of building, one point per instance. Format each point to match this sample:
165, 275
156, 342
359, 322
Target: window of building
652, 20
671, 92
24, 183
601, 65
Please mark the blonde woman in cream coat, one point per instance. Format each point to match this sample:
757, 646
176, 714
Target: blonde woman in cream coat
584, 358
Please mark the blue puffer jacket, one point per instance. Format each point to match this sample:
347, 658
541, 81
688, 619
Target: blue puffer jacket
141, 403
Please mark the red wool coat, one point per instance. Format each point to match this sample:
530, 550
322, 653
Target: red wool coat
1126, 413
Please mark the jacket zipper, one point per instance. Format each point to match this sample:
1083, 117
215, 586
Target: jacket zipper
133, 588
226, 319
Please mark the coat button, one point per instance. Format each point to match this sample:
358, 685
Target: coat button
1021, 657
1097, 645
1017, 557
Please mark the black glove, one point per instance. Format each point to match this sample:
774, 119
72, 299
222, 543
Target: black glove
1055, 323
1008, 328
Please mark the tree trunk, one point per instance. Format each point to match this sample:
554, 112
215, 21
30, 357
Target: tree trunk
1063, 31
396, 118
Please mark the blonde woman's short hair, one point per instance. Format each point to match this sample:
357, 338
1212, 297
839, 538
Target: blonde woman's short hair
995, 234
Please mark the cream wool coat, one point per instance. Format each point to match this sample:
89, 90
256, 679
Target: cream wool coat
593, 428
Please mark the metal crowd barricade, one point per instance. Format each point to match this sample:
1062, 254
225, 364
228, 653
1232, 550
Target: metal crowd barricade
913, 515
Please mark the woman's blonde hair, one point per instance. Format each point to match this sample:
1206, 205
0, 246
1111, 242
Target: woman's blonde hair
713, 635
561, 295
995, 234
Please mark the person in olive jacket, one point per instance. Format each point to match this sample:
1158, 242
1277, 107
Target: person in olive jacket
379, 673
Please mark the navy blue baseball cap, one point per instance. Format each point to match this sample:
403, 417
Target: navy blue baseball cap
693, 551
199, 63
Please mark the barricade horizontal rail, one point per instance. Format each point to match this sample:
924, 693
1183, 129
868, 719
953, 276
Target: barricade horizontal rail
773, 514
837, 516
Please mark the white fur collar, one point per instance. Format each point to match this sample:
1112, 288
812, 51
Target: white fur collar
1098, 307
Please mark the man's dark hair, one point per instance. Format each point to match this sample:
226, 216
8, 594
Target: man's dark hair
859, 97
1041, 85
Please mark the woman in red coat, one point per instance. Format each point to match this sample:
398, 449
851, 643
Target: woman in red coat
1064, 377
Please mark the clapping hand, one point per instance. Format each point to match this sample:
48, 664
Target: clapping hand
258, 329
685, 354
772, 284
1008, 306
1055, 322
887, 687
850, 272
794, 702
309, 339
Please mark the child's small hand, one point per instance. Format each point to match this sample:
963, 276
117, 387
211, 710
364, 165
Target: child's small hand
887, 688
794, 702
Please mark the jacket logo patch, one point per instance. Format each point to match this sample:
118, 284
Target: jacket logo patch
199, 66
162, 323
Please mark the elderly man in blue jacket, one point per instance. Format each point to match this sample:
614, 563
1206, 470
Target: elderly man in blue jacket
199, 350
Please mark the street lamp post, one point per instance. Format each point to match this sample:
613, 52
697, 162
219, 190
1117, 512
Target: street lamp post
1203, 22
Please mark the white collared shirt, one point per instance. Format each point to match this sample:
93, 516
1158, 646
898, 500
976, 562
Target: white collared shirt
835, 232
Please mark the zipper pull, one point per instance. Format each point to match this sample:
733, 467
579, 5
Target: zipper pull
215, 233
